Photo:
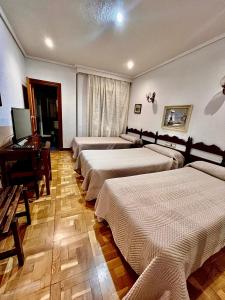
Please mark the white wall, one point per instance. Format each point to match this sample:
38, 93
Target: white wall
67, 77
12, 70
192, 79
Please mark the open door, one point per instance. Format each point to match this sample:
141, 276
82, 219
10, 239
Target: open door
32, 106
31, 85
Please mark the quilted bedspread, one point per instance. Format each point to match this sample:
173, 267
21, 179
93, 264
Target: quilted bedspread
100, 143
166, 225
97, 166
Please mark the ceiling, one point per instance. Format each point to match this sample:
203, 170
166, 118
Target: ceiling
84, 31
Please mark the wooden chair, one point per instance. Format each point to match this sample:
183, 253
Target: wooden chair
9, 199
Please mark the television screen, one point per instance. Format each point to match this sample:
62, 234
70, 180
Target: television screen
21, 123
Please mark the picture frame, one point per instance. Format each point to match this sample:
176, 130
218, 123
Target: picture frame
177, 117
137, 108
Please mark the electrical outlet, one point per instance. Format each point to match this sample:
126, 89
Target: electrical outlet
171, 145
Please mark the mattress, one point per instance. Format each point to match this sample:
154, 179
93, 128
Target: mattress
166, 225
97, 166
98, 143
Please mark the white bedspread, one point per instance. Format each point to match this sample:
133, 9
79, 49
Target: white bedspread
166, 225
100, 143
97, 166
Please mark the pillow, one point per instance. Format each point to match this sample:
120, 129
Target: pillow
176, 155
130, 138
209, 168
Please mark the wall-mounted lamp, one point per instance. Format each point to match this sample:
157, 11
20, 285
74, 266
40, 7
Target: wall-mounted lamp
151, 97
222, 83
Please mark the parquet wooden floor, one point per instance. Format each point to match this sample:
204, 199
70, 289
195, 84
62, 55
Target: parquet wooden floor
68, 255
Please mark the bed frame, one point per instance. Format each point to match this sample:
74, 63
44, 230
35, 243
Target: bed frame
134, 130
169, 139
151, 135
212, 149
189, 145
176, 140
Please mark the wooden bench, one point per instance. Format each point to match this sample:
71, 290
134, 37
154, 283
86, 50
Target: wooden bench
9, 199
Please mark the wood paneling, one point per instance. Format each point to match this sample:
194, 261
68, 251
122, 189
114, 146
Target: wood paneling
69, 255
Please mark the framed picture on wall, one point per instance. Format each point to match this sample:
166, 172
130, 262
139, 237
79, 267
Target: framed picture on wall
137, 108
176, 117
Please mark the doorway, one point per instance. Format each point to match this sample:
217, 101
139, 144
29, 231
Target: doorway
46, 110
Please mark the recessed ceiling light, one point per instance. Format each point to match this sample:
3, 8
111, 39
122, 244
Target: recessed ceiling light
130, 64
49, 43
119, 18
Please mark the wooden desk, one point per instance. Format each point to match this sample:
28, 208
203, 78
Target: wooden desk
33, 151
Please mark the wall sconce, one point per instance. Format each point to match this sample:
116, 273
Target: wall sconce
151, 97
222, 83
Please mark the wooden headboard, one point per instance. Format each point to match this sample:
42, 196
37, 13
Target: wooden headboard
134, 130
176, 140
169, 139
149, 134
212, 149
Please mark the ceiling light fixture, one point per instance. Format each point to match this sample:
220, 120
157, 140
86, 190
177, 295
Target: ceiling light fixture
49, 43
119, 18
130, 64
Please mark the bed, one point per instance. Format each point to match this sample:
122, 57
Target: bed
97, 166
99, 143
166, 225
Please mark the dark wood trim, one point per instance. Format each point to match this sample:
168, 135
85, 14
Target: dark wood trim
171, 139
134, 130
212, 149
9, 199
151, 135
25, 96
208, 148
44, 82
59, 98
176, 140
188, 150
223, 160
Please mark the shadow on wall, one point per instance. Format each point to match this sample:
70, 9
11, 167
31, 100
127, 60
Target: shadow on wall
215, 104
155, 107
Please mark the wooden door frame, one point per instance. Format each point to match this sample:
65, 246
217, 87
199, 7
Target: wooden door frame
32, 82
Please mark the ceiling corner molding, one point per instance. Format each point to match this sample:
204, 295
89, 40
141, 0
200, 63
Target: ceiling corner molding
11, 31
50, 61
99, 72
199, 47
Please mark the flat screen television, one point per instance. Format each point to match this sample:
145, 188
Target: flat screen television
21, 124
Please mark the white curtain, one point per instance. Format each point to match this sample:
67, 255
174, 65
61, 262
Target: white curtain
107, 106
